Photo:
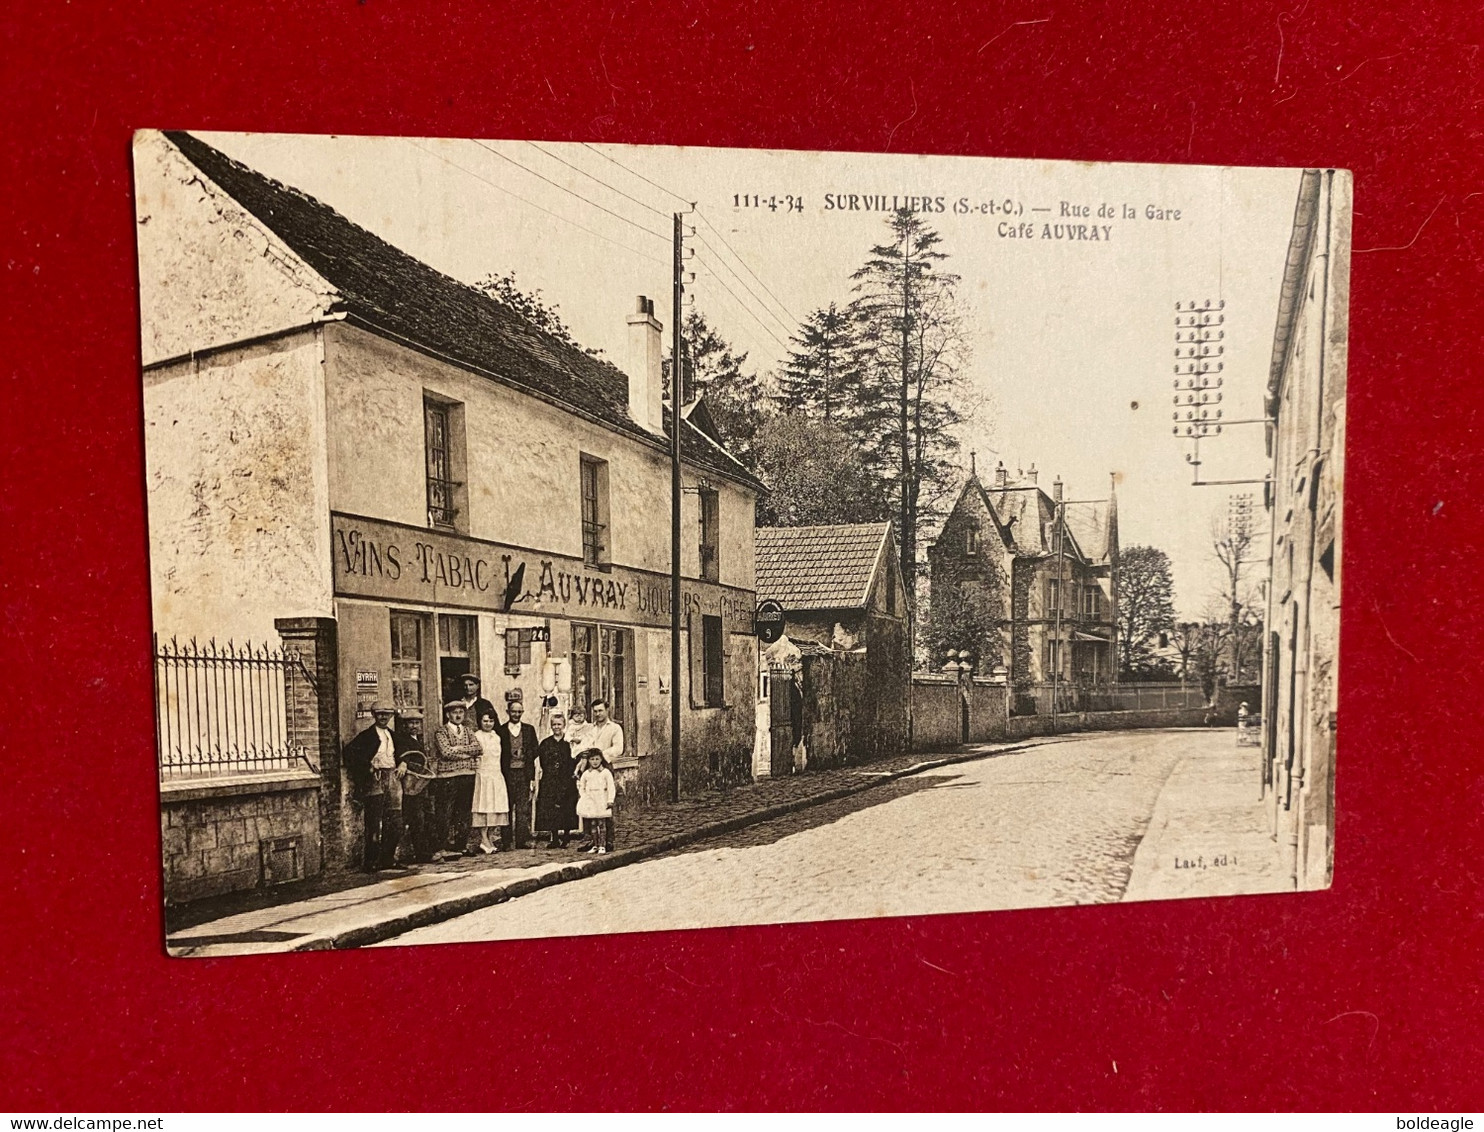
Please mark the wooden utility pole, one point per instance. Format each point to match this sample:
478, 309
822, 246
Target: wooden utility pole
677, 397
909, 536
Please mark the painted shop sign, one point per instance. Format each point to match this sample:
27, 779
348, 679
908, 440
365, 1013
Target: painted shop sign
396, 563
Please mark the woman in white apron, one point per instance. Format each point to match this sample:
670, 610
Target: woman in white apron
491, 799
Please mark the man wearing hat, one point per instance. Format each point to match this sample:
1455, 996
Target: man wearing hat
475, 705
455, 758
370, 761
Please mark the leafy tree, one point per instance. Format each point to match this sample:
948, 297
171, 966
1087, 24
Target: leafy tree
966, 616
531, 307
908, 324
823, 369
1146, 604
815, 472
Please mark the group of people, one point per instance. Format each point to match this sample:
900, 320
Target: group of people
478, 785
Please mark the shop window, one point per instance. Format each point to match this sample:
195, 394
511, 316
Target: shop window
407, 662
443, 445
600, 669
594, 474
517, 650
710, 536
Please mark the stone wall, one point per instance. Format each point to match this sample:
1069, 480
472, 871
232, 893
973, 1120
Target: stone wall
234, 834
937, 705
988, 709
936, 713
937, 722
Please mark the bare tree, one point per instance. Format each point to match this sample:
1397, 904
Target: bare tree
1232, 543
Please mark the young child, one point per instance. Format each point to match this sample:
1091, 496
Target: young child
595, 793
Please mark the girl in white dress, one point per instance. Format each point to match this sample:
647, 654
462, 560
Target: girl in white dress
491, 799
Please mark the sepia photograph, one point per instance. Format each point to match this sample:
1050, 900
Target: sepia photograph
555, 539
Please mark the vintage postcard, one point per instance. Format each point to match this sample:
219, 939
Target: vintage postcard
555, 538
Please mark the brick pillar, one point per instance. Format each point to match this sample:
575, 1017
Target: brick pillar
314, 723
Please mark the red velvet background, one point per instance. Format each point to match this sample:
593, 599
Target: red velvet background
1366, 996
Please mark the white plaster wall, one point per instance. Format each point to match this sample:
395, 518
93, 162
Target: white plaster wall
209, 272
237, 492
523, 457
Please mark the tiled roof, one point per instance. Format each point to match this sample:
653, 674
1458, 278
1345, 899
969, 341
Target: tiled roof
818, 567
397, 295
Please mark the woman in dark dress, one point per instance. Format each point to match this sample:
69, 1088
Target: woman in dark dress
556, 798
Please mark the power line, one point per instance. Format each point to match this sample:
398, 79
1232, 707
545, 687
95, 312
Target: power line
641, 176
671, 192
707, 245
573, 192
743, 262
501, 188
605, 184
743, 306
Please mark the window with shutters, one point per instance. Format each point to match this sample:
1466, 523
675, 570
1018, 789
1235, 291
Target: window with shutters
710, 536
713, 678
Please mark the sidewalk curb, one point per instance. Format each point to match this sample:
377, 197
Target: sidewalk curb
454, 906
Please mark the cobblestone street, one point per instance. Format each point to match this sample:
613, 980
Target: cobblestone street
1057, 823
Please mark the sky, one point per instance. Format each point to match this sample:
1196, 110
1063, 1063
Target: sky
1072, 339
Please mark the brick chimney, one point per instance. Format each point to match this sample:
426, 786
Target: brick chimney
1030, 474
646, 381
1000, 474
1056, 490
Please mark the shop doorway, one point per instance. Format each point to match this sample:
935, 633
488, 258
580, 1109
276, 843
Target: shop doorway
458, 653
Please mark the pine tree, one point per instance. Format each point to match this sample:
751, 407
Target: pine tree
823, 369
908, 324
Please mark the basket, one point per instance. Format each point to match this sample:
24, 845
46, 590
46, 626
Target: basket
417, 775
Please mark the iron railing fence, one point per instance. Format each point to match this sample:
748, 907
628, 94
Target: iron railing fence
223, 709
1115, 697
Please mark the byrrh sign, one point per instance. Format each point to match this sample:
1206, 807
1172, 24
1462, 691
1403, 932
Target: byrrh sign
417, 566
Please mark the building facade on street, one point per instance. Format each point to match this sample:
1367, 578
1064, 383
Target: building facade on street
1306, 442
1043, 570
346, 441
846, 649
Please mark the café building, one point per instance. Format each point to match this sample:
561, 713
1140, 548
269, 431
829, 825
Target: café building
336, 430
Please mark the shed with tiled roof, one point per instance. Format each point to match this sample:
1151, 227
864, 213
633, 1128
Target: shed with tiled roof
821, 568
